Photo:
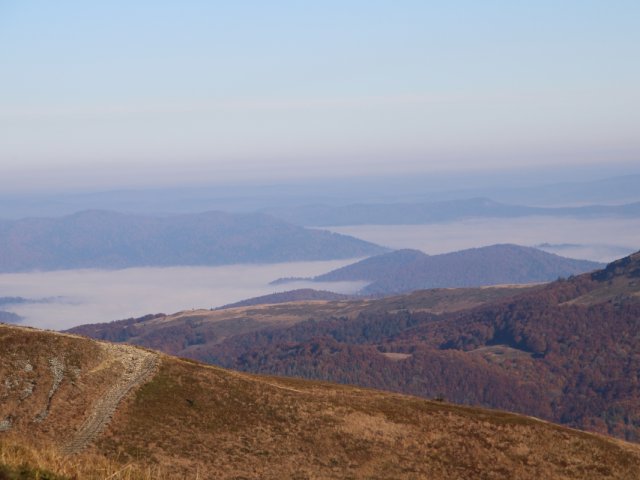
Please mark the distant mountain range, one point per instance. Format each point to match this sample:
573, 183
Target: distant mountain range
523, 188
407, 270
619, 190
102, 239
434, 212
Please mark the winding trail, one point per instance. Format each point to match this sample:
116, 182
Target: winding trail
137, 367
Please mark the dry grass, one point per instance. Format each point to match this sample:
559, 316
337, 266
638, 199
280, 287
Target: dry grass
196, 421
396, 356
235, 425
46, 462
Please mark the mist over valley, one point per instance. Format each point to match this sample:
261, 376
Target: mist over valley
596, 239
83, 296
78, 296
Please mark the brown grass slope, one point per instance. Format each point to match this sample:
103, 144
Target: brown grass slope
195, 421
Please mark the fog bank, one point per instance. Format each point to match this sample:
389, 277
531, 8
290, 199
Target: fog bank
597, 239
90, 296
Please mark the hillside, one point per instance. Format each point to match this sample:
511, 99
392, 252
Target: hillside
436, 212
192, 333
407, 270
564, 351
298, 295
101, 239
161, 417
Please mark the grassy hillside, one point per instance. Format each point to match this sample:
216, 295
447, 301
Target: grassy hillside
188, 420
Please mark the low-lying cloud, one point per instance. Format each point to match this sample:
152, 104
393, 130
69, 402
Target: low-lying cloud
597, 239
90, 296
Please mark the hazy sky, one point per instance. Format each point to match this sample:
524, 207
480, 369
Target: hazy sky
286, 89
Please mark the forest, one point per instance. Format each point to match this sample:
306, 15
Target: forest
548, 352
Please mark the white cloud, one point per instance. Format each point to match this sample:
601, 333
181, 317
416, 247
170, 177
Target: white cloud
90, 296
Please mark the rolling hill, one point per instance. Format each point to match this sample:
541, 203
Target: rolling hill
192, 333
87, 409
298, 295
101, 239
407, 270
565, 351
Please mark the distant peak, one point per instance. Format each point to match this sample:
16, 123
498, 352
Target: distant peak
93, 212
407, 251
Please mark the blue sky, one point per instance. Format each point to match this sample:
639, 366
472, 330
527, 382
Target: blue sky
277, 89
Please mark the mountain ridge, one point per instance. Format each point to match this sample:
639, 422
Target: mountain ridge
421, 213
297, 295
105, 239
405, 270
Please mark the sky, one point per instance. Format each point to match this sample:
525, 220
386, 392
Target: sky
97, 93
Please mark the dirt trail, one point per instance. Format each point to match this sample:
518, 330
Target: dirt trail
137, 366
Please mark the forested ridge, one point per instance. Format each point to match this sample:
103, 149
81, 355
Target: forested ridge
545, 353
